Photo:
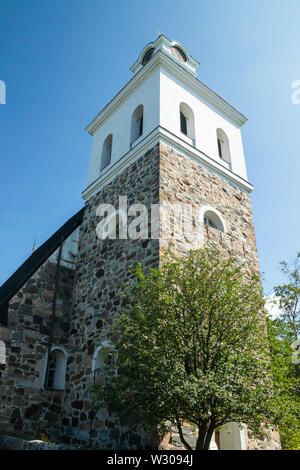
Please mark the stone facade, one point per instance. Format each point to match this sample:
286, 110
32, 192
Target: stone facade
91, 295
101, 274
184, 182
26, 407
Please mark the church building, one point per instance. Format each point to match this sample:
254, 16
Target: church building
165, 141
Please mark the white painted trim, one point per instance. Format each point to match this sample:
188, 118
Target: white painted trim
162, 135
60, 348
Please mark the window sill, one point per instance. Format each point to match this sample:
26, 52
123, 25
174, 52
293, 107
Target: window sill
224, 163
136, 141
188, 139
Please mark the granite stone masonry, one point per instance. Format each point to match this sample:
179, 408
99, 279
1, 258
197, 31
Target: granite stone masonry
25, 404
90, 295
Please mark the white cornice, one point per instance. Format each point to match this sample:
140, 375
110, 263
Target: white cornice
164, 61
164, 136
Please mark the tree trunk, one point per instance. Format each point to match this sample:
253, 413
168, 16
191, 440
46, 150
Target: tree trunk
186, 444
205, 433
209, 436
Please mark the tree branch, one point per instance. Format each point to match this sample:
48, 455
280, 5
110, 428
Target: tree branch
181, 435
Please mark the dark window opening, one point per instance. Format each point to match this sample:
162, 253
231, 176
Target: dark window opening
209, 222
220, 148
109, 152
106, 152
140, 126
183, 123
147, 56
137, 122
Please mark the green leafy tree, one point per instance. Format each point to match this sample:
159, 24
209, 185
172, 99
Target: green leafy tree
285, 383
283, 333
192, 349
288, 295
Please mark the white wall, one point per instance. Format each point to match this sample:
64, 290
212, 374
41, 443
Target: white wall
161, 95
232, 437
207, 121
119, 124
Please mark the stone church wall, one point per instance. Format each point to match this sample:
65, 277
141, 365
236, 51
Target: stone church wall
26, 407
101, 275
184, 182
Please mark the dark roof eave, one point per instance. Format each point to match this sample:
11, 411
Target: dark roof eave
38, 257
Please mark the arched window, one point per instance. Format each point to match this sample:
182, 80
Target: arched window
104, 359
147, 56
223, 146
137, 123
212, 219
106, 152
179, 54
187, 122
56, 369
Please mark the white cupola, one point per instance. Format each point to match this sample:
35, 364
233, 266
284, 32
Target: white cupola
173, 48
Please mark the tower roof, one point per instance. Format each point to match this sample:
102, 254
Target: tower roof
174, 49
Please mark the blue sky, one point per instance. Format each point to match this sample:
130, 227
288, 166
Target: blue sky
63, 60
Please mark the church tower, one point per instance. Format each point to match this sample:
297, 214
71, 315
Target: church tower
167, 169
165, 140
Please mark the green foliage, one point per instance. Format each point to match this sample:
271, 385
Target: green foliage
289, 295
282, 333
192, 348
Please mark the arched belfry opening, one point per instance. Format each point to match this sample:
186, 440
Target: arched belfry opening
106, 152
137, 123
147, 56
187, 121
223, 146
